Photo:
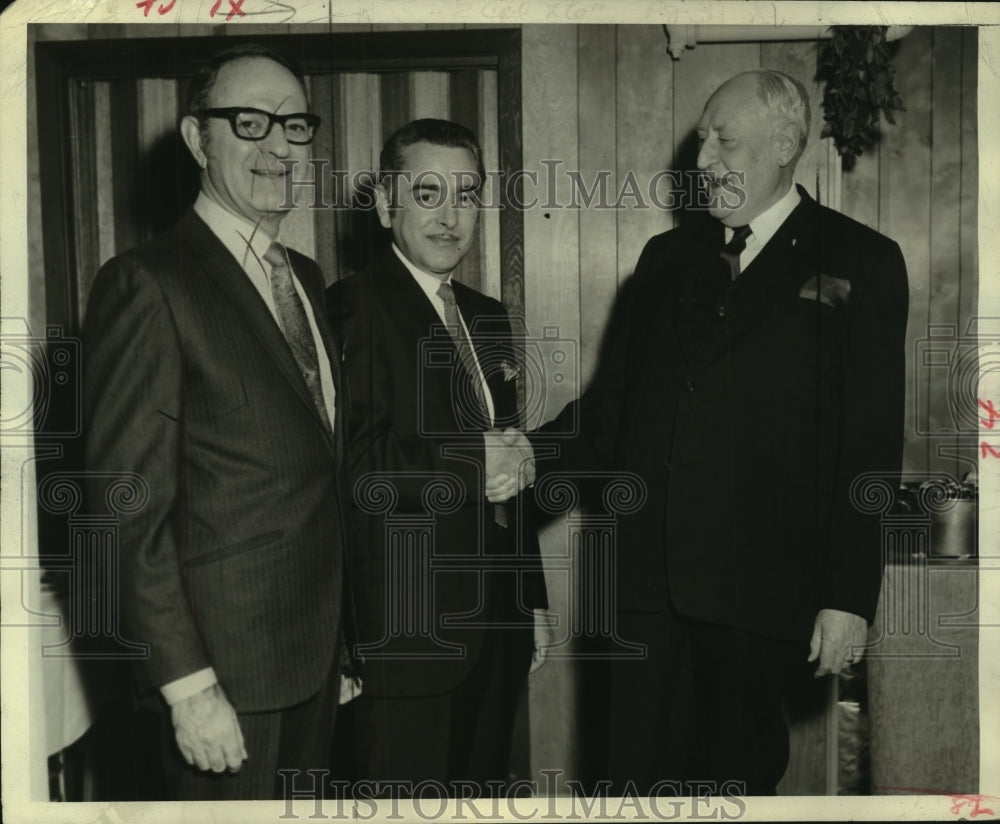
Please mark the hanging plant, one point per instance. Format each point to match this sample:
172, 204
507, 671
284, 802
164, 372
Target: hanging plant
858, 75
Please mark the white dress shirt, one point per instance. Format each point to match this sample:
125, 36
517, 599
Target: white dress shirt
247, 244
430, 284
764, 226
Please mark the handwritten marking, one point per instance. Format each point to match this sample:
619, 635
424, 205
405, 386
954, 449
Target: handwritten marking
973, 802
994, 414
235, 9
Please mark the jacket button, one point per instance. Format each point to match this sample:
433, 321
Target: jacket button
689, 386
722, 311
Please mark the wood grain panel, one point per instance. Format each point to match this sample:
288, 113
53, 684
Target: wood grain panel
84, 191
395, 102
125, 161
61, 31
463, 107
159, 145
360, 140
859, 189
551, 298
596, 93
429, 95
905, 206
103, 173
36, 241
510, 118
489, 219
324, 90
645, 121
551, 242
968, 205
945, 239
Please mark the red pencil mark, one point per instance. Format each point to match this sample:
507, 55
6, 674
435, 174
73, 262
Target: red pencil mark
146, 5
963, 805
235, 9
988, 450
994, 415
973, 802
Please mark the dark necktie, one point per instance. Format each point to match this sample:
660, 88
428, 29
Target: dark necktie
295, 326
730, 253
467, 358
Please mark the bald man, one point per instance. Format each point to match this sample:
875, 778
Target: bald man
759, 372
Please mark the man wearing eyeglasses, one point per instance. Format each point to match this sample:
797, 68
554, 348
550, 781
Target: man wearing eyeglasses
211, 374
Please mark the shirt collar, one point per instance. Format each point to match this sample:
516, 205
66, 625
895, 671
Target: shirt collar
233, 230
429, 283
769, 221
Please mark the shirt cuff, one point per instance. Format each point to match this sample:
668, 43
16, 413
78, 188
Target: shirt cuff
181, 688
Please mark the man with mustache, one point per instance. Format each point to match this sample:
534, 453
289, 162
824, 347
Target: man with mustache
211, 374
756, 378
446, 580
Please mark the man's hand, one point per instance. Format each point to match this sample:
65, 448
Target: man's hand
838, 638
543, 639
510, 464
208, 732
350, 688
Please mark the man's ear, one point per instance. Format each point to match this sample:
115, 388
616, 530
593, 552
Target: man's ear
382, 201
786, 139
191, 132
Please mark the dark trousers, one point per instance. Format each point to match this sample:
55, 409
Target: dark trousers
296, 738
703, 706
462, 735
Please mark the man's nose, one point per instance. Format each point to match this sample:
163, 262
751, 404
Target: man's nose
706, 153
448, 214
276, 143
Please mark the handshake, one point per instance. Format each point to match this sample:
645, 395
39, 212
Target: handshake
510, 464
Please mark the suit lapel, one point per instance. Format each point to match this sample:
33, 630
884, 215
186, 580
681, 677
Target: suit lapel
767, 280
219, 266
491, 341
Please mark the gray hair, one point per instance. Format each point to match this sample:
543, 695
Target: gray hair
785, 99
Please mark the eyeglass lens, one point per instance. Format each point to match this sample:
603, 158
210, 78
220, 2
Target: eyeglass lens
256, 125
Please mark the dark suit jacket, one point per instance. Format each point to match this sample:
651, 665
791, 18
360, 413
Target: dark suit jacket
237, 559
749, 411
415, 431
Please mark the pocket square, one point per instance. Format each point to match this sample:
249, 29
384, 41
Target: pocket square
835, 292
510, 372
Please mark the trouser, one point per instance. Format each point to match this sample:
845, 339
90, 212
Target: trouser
704, 705
461, 735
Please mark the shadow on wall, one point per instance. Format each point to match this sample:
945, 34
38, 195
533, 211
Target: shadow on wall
166, 184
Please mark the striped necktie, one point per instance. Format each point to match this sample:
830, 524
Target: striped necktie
467, 358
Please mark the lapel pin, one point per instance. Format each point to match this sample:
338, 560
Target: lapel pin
794, 241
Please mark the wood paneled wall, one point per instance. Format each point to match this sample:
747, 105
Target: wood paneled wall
604, 97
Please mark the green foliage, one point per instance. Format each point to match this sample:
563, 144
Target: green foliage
858, 75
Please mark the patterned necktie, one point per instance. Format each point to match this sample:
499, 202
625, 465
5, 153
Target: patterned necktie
730, 253
295, 326
467, 358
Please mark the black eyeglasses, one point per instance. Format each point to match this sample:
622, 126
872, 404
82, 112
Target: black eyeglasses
256, 124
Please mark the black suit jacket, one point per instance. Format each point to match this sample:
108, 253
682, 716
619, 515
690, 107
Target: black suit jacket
415, 458
236, 561
749, 411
